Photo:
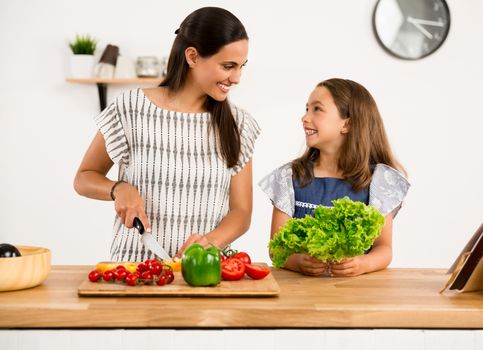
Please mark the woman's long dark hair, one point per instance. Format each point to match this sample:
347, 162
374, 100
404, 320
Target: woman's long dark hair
366, 143
208, 29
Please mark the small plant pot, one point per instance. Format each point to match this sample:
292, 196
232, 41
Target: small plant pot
81, 66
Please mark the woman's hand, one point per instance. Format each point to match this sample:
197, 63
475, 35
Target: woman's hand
348, 267
194, 238
129, 204
306, 265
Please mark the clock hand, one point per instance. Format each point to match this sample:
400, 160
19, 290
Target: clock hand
420, 27
425, 22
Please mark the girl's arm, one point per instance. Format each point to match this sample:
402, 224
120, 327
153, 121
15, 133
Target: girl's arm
378, 258
302, 263
279, 218
238, 219
91, 181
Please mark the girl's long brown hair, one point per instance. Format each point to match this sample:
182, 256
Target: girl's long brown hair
208, 29
366, 143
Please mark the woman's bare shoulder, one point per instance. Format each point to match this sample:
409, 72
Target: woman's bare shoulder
156, 95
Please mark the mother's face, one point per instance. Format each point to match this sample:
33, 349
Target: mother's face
215, 75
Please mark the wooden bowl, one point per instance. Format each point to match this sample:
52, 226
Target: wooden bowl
26, 271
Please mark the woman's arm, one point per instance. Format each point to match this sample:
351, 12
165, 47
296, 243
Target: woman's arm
91, 181
238, 219
378, 258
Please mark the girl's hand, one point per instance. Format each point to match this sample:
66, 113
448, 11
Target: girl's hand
194, 238
129, 204
306, 264
348, 267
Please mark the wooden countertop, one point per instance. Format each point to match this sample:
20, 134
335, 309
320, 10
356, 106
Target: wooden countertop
393, 298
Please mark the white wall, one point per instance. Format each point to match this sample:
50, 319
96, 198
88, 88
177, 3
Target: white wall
430, 108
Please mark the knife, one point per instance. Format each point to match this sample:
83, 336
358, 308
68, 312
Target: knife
149, 241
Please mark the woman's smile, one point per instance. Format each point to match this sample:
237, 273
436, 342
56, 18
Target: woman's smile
224, 88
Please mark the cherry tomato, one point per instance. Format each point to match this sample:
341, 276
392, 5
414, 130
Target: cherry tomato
169, 277
148, 262
120, 274
156, 269
161, 281
232, 269
95, 275
244, 257
108, 275
120, 267
131, 279
142, 267
147, 275
256, 272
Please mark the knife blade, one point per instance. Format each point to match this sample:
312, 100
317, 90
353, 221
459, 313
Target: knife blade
149, 241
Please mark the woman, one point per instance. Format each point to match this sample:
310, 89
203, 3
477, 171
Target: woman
184, 152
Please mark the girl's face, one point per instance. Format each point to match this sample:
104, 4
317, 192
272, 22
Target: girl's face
323, 125
216, 74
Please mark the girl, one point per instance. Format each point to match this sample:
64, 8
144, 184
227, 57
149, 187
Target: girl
347, 154
184, 152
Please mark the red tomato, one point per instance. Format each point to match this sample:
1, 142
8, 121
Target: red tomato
256, 272
156, 269
244, 257
108, 275
147, 275
120, 274
131, 279
94, 275
232, 269
142, 267
161, 281
169, 277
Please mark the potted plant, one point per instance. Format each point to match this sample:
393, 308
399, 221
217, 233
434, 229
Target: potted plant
82, 58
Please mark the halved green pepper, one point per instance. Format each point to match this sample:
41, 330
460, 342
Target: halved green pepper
200, 266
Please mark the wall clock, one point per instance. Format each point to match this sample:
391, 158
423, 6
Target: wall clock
411, 29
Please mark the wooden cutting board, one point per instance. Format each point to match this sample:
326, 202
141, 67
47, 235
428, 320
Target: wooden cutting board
245, 287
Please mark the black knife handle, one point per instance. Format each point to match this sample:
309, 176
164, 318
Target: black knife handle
138, 225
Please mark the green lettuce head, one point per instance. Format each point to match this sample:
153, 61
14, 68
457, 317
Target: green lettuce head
333, 233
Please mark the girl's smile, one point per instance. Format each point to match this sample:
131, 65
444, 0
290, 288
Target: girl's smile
310, 132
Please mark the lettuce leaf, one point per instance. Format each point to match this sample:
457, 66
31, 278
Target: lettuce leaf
333, 233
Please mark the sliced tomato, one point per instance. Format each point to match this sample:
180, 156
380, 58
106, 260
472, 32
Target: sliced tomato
256, 272
232, 269
244, 257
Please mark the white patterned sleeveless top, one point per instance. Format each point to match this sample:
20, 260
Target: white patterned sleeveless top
173, 159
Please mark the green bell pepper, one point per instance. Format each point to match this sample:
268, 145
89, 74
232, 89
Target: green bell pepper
200, 266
